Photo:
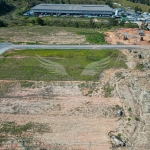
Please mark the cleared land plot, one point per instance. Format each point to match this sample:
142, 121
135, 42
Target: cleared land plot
56, 114
50, 35
38, 64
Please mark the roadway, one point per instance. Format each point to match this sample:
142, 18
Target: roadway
7, 46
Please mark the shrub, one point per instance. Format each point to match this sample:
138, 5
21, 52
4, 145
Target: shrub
2, 23
131, 25
137, 119
40, 21
119, 135
129, 109
108, 90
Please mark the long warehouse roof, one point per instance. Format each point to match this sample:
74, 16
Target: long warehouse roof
77, 7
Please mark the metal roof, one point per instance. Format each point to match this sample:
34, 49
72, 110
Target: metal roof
75, 7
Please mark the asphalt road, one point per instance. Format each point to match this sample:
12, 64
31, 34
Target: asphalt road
6, 46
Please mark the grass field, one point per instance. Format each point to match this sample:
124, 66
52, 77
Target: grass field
25, 64
94, 37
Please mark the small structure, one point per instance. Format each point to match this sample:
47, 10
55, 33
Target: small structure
116, 141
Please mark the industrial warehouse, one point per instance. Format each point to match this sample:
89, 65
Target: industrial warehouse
71, 9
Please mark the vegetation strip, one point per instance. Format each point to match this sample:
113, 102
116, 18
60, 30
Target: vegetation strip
25, 65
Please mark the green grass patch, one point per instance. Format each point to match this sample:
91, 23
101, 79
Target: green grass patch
12, 128
2, 39
120, 75
119, 135
5, 88
94, 37
26, 84
30, 67
129, 109
140, 67
108, 90
17, 131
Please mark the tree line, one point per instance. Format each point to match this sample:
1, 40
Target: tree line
111, 22
68, 22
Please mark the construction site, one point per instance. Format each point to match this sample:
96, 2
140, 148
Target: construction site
130, 36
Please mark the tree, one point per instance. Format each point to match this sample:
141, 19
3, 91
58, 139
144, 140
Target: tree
56, 1
40, 21
62, 2
137, 8
122, 23
92, 23
109, 3
113, 21
76, 24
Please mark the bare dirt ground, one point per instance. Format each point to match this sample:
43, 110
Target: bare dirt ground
61, 37
76, 118
132, 37
41, 36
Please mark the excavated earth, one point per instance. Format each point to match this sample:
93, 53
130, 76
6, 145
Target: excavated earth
128, 36
79, 115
